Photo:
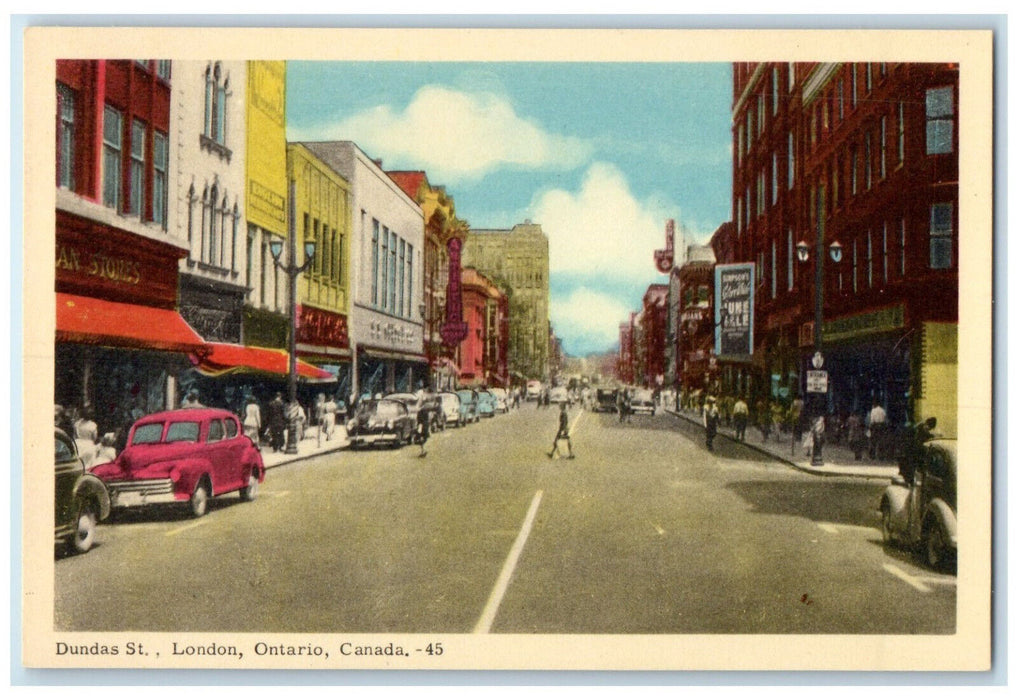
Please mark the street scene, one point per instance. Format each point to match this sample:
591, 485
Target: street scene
503, 348
643, 532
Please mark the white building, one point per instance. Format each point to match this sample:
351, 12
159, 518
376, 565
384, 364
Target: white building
207, 115
386, 264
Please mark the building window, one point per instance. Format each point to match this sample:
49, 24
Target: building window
902, 248
855, 267
409, 280
401, 307
941, 235
210, 223
774, 90
884, 256
136, 181
392, 271
192, 197
160, 161
384, 261
774, 269
855, 86
163, 69
112, 145
233, 240
65, 136
374, 262
317, 264
883, 147
791, 160
901, 133
774, 177
855, 170
216, 91
939, 120
791, 76
841, 99
249, 257
264, 272
869, 159
869, 257
790, 261
749, 130
339, 256
869, 77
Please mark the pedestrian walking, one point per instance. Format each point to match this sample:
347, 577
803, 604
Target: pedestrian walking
563, 433
277, 422
711, 418
329, 416
423, 426
253, 420
620, 404
740, 413
877, 429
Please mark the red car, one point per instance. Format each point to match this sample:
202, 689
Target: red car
185, 456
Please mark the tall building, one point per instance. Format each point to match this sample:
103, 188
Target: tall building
864, 155
695, 336
386, 262
482, 354
121, 343
324, 215
655, 331
209, 141
444, 324
516, 260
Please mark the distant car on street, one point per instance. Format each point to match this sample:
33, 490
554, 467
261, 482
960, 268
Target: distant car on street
185, 456
468, 405
606, 400
534, 390
487, 404
382, 421
643, 402
923, 514
82, 499
502, 396
559, 394
450, 405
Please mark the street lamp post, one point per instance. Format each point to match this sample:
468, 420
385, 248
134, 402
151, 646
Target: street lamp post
816, 382
292, 271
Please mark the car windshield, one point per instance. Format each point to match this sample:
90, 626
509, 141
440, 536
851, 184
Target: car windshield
450, 399
387, 409
183, 431
146, 434
465, 396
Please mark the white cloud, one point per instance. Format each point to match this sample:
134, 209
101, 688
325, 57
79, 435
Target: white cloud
456, 136
587, 319
602, 230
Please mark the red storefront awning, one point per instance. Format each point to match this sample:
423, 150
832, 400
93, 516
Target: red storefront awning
116, 324
226, 358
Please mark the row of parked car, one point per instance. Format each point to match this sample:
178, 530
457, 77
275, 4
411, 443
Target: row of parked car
392, 419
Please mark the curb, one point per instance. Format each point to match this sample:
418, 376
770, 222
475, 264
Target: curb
290, 459
826, 471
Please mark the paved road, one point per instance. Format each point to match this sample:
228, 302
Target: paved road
644, 532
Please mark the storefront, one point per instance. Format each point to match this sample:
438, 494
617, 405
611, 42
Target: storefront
121, 344
389, 354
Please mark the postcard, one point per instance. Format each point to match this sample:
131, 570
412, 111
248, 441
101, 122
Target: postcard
507, 349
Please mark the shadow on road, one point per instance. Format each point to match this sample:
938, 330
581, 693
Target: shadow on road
168, 513
832, 501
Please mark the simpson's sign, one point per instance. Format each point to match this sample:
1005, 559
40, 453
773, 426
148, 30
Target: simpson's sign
733, 309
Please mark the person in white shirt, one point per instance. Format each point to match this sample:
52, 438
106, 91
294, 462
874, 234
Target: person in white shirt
877, 420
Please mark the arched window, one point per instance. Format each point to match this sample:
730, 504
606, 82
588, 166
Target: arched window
233, 239
212, 218
191, 196
217, 90
205, 217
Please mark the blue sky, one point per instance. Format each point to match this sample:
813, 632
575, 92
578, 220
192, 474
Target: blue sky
599, 154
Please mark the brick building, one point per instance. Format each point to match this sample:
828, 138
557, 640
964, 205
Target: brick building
865, 155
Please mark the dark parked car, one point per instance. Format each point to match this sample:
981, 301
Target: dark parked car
382, 420
607, 400
184, 456
82, 500
923, 514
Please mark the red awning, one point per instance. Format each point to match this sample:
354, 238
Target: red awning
100, 322
226, 358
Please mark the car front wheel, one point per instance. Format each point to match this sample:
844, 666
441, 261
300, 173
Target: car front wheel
199, 500
84, 530
935, 546
250, 492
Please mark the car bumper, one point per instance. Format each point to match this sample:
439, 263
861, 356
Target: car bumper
372, 438
134, 494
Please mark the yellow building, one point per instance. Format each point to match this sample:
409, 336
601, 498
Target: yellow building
322, 207
265, 322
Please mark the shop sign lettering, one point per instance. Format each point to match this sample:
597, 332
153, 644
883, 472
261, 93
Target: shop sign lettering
106, 267
733, 309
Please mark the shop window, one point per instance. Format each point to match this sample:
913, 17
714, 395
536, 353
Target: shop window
66, 102
939, 120
112, 154
941, 235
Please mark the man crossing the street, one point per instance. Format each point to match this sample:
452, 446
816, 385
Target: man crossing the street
563, 433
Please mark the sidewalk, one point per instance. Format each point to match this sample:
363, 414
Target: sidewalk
310, 446
838, 459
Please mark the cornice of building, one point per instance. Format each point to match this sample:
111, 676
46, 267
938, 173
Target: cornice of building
816, 80
750, 86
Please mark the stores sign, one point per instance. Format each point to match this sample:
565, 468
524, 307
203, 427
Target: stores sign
733, 309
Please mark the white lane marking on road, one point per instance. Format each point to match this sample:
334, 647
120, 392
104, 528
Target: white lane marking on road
910, 580
191, 526
502, 584
575, 421
827, 527
660, 530
280, 494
